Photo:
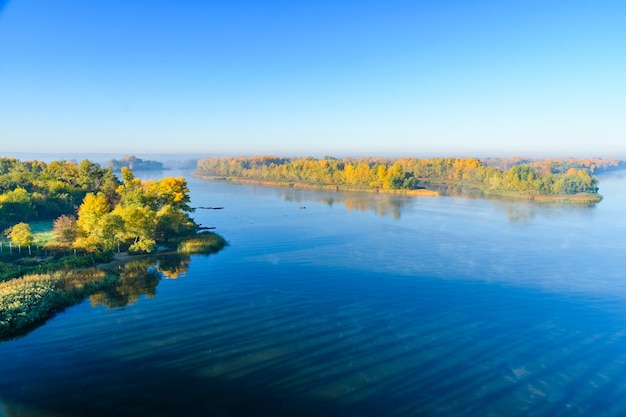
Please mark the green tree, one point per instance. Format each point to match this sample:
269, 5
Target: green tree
139, 227
109, 232
16, 206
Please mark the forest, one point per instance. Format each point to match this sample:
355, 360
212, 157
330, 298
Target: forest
91, 209
527, 178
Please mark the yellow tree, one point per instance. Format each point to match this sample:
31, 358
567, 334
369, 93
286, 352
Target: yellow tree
90, 213
174, 192
349, 173
21, 234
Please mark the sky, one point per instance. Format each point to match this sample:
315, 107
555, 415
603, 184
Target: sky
314, 77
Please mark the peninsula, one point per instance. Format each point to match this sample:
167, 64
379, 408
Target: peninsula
61, 220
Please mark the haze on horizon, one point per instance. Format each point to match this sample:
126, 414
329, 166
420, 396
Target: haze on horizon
392, 78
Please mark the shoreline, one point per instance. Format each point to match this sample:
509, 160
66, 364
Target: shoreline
421, 192
29, 301
574, 199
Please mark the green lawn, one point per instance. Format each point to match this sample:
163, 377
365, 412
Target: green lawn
42, 231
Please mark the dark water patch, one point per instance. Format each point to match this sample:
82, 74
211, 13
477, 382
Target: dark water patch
363, 349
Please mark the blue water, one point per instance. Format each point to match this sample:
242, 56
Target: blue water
357, 305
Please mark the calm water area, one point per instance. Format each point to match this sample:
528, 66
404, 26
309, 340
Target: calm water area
350, 304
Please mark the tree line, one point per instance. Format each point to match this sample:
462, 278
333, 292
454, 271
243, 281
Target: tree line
35, 190
406, 173
92, 210
558, 165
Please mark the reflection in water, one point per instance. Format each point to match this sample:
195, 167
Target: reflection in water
139, 278
174, 265
381, 204
390, 205
519, 212
455, 190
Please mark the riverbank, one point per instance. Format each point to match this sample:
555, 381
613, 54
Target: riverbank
421, 192
460, 186
472, 189
32, 299
28, 301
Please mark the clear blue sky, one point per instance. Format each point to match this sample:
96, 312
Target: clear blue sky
314, 77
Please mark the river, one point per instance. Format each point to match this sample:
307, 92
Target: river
351, 304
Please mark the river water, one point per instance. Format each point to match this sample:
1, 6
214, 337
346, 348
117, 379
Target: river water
350, 304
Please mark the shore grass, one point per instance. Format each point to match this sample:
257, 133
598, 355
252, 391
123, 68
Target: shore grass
205, 242
32, 292
31, 299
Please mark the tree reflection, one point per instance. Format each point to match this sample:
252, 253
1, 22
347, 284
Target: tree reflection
455, 190
381, 204
137, 278
174, 265
140, 278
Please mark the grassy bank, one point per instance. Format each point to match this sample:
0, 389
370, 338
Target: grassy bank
30, 299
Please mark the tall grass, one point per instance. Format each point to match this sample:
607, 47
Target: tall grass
32, 298
202, 243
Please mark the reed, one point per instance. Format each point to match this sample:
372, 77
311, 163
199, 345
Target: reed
206, 242
32, 298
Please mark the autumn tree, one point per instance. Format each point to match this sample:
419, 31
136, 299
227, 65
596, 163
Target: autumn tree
65, 230
90, 213
139, 227
21, 234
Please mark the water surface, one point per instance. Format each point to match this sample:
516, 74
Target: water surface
340, 304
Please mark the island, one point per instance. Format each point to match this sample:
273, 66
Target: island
564, 181
136, 164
